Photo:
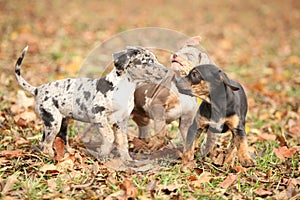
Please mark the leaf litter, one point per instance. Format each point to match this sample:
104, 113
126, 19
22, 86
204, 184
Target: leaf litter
267, 66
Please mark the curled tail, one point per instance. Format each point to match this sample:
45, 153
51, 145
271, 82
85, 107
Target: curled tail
24, 84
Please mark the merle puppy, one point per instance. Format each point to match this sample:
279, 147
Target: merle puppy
106, 102
162, 102
224, 108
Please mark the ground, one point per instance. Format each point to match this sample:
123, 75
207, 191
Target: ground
255, 42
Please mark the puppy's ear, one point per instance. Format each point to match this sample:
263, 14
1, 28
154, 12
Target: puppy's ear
224, 78
194, 41
204, 58
134, 50
121, 59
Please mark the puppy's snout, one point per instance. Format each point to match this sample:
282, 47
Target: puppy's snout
174, 56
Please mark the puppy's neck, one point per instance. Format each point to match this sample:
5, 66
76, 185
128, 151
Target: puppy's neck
115, 77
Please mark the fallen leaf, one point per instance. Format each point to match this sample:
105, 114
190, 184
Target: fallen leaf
138, 142
128, 187
19, 141
23, 118
11, 180
284, 152
191, 178
67, 164
288, 194
48, 168
295, 130
116, 164
262, 192
52, 185
11, 153
59, 147
239, 168
198, 182
231, 179
267, 137
152, 185
282, 141
198, 171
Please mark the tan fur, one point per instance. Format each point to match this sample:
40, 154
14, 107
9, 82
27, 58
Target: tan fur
172, 101
201, 90
232, 121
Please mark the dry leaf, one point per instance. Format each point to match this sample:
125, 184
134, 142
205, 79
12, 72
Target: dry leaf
52, 185
59, 147
10, 183
11, 153
262, 192
131, 191
239, 168
267, 137
284, 152
152, 185
231, 179
67, 163
295, 130
48, 168
116, 164
198, 182
19, 141
198, 171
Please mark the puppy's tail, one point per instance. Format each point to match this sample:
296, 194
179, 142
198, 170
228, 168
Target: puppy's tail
24, 84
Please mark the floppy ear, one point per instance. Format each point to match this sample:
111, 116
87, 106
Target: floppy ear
194, 41
224, 78
121, 59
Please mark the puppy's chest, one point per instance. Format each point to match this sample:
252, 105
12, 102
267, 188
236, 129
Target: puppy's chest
123, 96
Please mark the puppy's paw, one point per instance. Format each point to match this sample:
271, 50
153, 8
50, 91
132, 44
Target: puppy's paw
47, 149
188, 167
125, 156
106, 149
204, 151
247, 162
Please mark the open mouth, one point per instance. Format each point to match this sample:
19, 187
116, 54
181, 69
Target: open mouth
175, 61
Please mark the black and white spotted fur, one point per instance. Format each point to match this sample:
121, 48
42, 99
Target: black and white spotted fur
104, 102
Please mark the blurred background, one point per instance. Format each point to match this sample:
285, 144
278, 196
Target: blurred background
255, 42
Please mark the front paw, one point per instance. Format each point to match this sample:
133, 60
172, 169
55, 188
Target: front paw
105, 150
47, 149
204, 151
247, 162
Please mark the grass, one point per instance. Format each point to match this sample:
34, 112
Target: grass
242, 38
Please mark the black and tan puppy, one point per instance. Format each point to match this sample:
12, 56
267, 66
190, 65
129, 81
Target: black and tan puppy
224, 108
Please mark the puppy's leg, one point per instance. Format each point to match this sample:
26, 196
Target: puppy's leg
52, 123
108, 137
189, 143
120, 131
209, 143
157, 113
63, 132
239, 140
185, 122
143, 123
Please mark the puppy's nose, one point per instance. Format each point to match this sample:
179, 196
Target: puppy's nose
175, 55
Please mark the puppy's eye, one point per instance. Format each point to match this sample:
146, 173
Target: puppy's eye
150, 62
190, 56
195, 78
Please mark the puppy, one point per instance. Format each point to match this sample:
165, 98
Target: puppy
189, 56
224, 108
163, 103
106, 102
